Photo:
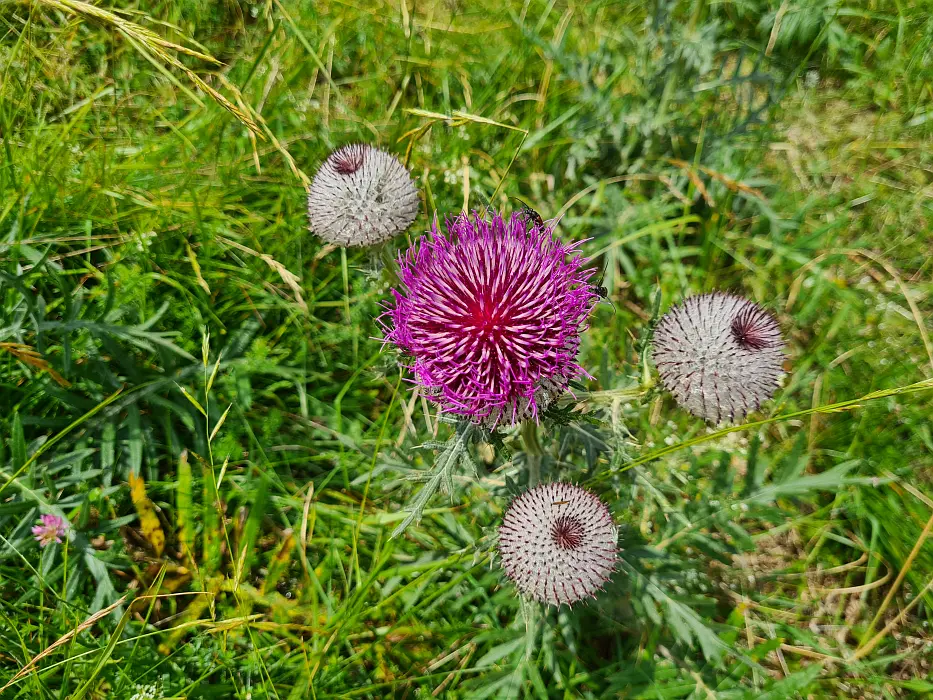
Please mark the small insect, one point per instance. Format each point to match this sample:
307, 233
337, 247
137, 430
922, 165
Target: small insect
559, 503
602, 292
530, 215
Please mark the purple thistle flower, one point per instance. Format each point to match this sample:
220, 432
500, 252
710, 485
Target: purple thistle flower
51, 529
720, 355
558, 543
491, 313
361, 196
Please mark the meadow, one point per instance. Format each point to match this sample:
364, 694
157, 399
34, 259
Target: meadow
257, 502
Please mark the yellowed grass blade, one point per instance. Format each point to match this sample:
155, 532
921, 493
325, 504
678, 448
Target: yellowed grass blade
64, 639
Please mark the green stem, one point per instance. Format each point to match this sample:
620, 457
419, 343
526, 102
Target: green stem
390, 269
533, 451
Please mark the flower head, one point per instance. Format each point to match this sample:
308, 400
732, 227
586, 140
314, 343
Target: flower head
719, 354
558, 543
51, 529
152, 691
491, 314
361, 196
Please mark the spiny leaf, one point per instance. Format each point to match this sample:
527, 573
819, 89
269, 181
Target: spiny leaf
829, 480
440, 474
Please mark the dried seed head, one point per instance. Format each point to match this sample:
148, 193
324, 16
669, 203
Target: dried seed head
491, 313
558, 543
361, 196
720, 355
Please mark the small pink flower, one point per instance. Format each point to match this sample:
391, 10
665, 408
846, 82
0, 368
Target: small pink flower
51, 530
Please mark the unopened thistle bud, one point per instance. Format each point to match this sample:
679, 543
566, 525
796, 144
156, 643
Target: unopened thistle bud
558, 543
361, 196
720, 355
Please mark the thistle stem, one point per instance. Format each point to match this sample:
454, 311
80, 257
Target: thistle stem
533, 451
390, 269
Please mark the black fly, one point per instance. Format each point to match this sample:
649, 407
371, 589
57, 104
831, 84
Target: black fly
602, 292
529, 215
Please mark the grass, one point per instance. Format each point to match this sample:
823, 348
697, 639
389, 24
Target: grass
166, 315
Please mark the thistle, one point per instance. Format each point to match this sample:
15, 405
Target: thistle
558, 543
720, 355
361, 196
491, 314
51, 528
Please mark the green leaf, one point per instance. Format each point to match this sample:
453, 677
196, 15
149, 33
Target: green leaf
755, 475
501, 651
830, 480
18, 442
185, 506
103, 659
212, 531
789, 686
108, 442
257, 511
279, 562
105, 593
134, 441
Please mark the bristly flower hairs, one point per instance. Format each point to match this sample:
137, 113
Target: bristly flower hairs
557, 542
